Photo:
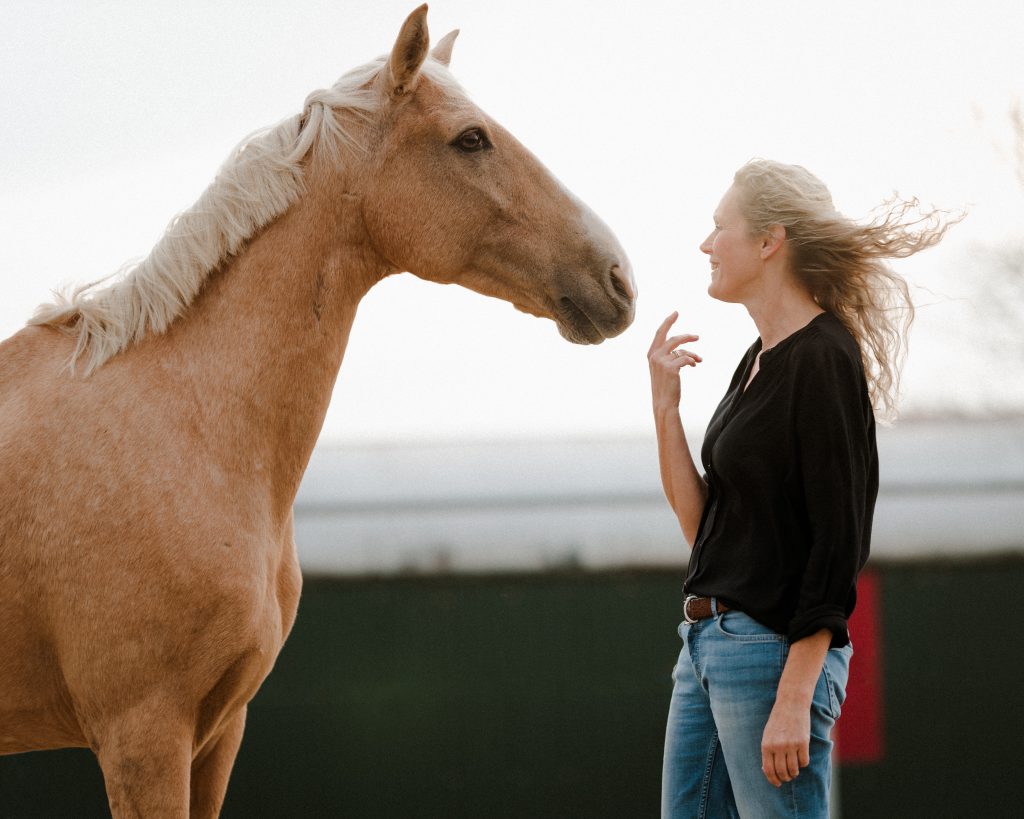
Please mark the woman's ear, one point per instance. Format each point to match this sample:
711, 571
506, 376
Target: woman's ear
774, 239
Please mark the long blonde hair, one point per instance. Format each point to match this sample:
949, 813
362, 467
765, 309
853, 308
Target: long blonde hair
842, 262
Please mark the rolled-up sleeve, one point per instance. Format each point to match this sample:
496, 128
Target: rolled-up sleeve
838, 463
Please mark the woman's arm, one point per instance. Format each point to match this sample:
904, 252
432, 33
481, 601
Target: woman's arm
684, 487
837, 460
785, 745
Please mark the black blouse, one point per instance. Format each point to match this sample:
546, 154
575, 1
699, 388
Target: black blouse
792, 472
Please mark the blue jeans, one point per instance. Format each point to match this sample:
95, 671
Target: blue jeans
725, 685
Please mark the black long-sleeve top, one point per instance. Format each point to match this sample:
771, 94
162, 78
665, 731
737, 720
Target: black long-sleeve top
792, 472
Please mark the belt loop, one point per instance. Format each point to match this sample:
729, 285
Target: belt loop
714, 607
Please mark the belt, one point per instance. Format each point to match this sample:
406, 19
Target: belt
699, 608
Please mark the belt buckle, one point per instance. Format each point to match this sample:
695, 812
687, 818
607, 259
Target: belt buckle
686, 614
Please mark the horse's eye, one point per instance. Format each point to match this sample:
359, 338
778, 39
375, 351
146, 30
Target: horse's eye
472, 140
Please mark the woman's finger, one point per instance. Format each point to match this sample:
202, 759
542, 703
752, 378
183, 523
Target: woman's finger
768, 769
675, 341
662, 331
684, 358
792, 765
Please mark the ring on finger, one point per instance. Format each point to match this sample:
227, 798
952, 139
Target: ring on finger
677, 353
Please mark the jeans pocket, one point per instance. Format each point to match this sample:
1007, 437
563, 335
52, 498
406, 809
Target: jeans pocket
745, 629
835, 673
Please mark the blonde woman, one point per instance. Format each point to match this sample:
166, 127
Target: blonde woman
779, 512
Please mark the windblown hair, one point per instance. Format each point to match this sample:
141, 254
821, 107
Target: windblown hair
842, 263
258, 182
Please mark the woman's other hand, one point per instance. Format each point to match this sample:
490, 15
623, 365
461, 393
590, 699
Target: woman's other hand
666, 360
785, 746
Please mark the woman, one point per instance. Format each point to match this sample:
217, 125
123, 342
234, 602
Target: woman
780, 515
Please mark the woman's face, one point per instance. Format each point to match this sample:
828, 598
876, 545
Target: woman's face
736, 263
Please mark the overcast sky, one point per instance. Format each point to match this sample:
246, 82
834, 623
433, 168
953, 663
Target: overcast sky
116, 115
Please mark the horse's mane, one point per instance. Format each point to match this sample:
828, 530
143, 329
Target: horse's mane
258, 182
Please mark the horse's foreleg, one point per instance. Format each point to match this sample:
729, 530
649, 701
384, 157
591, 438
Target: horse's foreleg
145, 760
211, 769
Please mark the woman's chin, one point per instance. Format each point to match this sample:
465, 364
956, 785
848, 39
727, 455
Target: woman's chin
716, 293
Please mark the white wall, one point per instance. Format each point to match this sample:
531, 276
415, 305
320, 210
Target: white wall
948, 488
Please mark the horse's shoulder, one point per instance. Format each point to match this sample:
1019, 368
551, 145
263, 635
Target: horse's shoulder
31, 350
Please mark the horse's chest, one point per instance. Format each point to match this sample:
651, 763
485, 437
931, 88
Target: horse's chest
257, 609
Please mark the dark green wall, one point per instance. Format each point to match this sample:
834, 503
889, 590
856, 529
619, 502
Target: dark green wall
545, 695
954, 695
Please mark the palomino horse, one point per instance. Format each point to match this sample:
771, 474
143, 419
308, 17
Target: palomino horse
148, 575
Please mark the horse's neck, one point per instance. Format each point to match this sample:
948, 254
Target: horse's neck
264, 342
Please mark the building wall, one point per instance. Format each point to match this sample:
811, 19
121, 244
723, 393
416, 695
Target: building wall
544, 695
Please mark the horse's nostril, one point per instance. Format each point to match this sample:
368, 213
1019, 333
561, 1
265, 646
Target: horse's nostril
622, 283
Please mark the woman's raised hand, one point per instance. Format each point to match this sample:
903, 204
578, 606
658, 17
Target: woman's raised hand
666, 361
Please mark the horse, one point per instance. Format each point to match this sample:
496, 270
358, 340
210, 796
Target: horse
155, 426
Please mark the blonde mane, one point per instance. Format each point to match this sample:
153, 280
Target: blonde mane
261, 178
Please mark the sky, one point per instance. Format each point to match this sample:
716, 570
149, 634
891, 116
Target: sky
117, 115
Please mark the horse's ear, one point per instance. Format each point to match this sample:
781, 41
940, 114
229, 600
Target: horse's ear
442, 52
409, 53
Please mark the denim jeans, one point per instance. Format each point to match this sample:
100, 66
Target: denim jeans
725, 685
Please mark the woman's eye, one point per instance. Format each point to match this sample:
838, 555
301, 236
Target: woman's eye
471, 140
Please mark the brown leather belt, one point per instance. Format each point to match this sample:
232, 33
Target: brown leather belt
699, 608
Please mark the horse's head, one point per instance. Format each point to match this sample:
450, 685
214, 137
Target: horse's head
451, 196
